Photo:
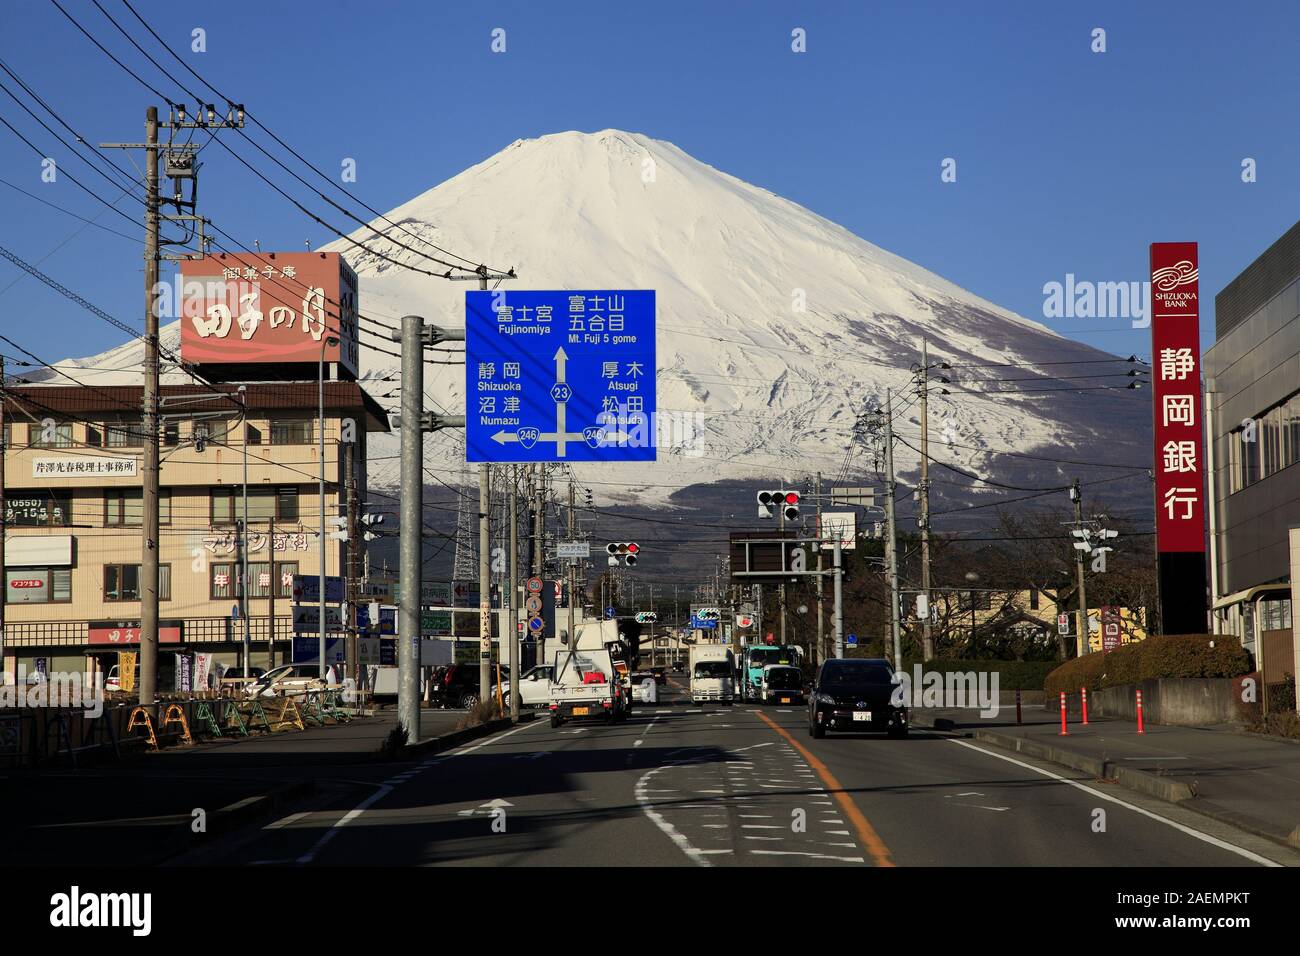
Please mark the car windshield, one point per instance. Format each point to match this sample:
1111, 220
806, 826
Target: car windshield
761, 656
857, 673
784, 678
712, 669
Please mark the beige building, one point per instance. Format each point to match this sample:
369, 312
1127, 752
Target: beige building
73, 509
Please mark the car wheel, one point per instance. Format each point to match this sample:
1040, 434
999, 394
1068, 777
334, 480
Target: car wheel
816, 730
898, 732
556, 721
469, 700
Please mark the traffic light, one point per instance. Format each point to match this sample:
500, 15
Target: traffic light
341, 524
627, 551
371, 523
770, 501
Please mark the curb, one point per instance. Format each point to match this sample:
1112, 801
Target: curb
242, 812
458, 737
1140, 781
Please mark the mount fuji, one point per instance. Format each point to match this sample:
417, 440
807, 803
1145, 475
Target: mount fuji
776, 327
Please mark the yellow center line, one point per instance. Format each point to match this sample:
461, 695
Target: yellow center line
866, 832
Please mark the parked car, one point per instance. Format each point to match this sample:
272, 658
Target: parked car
534, 686
458, 685
290, 680
856, 694
660, 675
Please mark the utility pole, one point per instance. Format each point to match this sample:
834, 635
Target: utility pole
892, 544
275, 586
821, 647
573, 576
510, 593
1081, 639
539, 542
837, 625
181, 165
149, 469
411, 526
927, 635
4, 509
353, 590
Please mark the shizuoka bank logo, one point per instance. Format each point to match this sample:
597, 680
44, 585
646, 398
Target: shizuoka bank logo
1171, 277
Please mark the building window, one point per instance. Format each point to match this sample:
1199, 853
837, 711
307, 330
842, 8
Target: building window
292, 432
1267, 445
57, 435
124, 507
252, 435
263, 504
114, 434
38, 585
122, 582
225, 579
171, 434
211, 431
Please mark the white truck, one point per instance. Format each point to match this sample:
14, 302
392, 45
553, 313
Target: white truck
586, 686
713, 670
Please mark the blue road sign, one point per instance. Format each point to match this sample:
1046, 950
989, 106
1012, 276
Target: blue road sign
560, 375
704, 624
851, 640
610, 613
536, 624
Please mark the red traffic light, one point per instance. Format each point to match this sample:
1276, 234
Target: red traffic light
632, 547
792, 497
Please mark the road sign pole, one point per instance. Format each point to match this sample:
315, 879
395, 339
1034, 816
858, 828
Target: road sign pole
512, 621
412, 508
838, 622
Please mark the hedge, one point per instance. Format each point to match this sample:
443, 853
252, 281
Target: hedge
1012, 675
1160, 656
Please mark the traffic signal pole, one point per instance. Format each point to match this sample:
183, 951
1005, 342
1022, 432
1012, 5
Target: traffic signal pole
821, 647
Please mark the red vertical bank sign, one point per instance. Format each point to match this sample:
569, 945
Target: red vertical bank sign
1178, 430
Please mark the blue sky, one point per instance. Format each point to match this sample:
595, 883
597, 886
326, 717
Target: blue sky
1068, 161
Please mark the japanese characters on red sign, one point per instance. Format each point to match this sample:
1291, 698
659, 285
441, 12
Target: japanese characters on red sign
1176, 396
268, 307
129, 634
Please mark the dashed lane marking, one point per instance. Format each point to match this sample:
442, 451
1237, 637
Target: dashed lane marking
866, 832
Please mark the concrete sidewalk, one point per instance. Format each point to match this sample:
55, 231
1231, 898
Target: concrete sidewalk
1249, 781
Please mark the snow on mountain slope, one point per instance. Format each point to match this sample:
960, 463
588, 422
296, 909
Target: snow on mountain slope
776, 326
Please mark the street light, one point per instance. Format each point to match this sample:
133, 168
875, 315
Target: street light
328, 341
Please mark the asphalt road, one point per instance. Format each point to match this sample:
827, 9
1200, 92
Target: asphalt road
731, 786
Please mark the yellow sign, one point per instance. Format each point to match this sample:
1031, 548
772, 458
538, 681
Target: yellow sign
126, 670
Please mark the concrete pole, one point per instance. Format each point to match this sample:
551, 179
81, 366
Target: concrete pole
820, 647
324, 539
837, 624
1081, 641
510, 591
927, 635
149, 470
892, 544
484, 587
412, 509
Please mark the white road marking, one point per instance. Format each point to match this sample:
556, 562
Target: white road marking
384, 789
692, 852
279, 824
815, 856
1196, 834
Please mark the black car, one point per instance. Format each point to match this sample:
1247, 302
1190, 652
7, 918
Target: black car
856, 694
457, 685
